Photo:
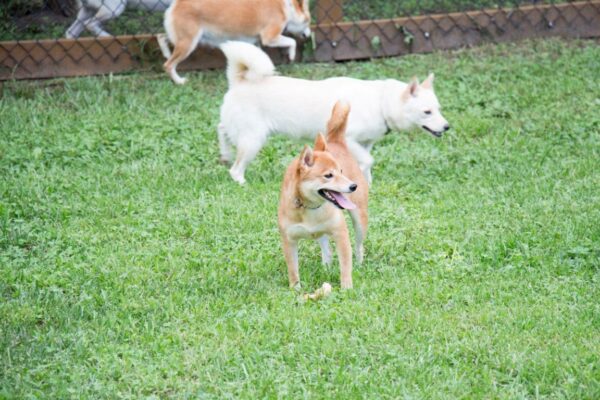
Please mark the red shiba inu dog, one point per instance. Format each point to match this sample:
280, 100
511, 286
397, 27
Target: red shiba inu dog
316, 188
186, 21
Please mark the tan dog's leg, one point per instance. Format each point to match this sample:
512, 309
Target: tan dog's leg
344, 250
272, 37
187, 34
290, 251
359, 221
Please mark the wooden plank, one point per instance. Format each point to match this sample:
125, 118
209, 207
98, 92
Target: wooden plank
33, 59
335, 41
396, 36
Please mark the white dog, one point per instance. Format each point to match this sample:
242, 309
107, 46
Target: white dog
259, 104
93, 13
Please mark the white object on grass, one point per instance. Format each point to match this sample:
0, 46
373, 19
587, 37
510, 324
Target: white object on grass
320, 293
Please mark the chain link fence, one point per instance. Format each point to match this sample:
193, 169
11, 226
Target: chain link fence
355, 29
49, 38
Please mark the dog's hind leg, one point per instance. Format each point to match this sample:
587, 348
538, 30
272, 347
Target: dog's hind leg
187, 36
360, 222
344, 250
362, 156
246, 152
224, 145
104, 13
78, 26
325, 249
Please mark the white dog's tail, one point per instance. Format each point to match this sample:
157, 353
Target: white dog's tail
246, 62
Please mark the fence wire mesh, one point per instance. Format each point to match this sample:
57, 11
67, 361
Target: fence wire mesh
353, 29
47, 38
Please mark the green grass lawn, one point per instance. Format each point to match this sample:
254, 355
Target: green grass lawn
131, 265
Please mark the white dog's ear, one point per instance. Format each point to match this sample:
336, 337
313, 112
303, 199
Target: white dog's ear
320, 143
428, 83
411, 89
307, 159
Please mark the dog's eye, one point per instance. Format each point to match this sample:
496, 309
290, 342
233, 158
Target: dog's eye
428, 112
329, 175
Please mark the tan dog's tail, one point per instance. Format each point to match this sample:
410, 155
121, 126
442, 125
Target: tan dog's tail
336, 127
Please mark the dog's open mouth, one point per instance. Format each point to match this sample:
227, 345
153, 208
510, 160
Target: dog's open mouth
434, 133
338, 199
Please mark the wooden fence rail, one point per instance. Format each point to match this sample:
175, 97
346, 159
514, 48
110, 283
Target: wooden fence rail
390, 37
335, 39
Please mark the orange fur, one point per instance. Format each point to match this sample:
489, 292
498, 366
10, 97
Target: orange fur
336, 145
302, 215
235, 17
265, 19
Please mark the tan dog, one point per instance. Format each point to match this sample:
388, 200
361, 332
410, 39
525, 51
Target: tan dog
312, 199
186, 21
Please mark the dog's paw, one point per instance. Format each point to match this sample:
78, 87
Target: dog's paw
238, 178
179, 80
296, 287
347, 285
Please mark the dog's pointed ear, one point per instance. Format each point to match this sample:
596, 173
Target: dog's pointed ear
307, 158
428, 83
320, 143
411, 89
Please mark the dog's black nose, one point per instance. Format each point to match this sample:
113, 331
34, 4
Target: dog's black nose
353, 187
446, 127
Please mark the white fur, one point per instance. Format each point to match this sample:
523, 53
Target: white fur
245, 64
253, 109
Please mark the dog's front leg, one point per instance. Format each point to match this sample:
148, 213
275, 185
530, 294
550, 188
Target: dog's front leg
224, 145
272, 37
290, 251
344, 250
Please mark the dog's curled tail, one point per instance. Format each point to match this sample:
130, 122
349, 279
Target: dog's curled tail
336, 127
246, 62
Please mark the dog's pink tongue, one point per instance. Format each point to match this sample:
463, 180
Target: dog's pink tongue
342, 201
